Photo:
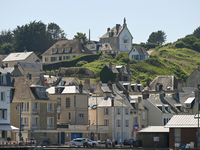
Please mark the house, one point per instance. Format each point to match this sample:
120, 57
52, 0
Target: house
93, 46
14, 71
119, 37
6, 91
110, 108
154, 137
14, 58
183, 129
38, 111
64, 49
138, 53
107, 48
111, 72
194, 79
33, 69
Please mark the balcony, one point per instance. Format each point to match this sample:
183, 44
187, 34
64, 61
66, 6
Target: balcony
35, 126
59, 109
35, 111
49, 126
25, 111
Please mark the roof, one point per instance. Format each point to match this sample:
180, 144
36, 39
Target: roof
115, 32
152, 129
17, 56
28, 66
2, 57
7, 127
66, 90
140, 50
7, 69
119, 69
189, 100
182, 121
75, 46
108, 47
169, 83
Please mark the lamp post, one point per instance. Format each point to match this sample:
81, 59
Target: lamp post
20, 112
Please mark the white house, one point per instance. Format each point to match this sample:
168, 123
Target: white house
138, 53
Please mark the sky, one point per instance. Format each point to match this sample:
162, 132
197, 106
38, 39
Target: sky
177, 18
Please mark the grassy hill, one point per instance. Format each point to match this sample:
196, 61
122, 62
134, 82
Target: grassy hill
165, 60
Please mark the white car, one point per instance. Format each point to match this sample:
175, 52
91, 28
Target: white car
83, 142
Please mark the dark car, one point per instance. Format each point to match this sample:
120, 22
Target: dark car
128, 141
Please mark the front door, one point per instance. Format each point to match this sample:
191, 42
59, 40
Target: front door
62, 137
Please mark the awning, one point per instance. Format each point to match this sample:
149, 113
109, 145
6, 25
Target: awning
7, 127
189, 100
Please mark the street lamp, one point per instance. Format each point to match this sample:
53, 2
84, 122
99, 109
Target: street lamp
20, 112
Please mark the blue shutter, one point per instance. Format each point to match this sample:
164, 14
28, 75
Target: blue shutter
10, 96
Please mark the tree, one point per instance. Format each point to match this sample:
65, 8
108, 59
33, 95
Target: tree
81, 36
196, 32
6, 48
55, 32
6, 37
158, 37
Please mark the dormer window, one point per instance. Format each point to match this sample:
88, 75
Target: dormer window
163, 108
67, 50
168, 109
60, 50
188, 105
53, 50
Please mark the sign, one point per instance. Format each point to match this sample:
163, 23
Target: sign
156, 139
32, 131
22, 127
135, 127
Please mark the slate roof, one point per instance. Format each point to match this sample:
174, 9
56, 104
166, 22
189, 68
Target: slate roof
115, 33
140, 50
7, 69
166, 81
108, 47
23, 90
28, 66
152, 129
17, 56
76, 47
66, 90
116, 69
182, 121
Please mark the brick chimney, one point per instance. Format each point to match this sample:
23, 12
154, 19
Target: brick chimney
128, 67
112, 102
117, 27
81, 87
148, 81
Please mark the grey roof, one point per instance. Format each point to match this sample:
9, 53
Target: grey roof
68, 81
28, 66
189, 89
105, 88
115, 32
117, 69
182, 121
108, 47
140, 50
17, 56
166, 81
152, 129
7, 69
76, 47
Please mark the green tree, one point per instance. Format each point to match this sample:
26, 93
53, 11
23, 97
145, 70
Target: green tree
196, 32
55, 32
158, 37
81, 36
6, 48
6, 37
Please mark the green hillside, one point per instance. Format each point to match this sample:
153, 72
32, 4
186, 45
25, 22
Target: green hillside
165, 60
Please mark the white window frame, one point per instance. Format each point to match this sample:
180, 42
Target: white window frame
106, 122
35, 123
50, 123
53, 51
3, 96
114, 40
127, 112
118, 111
50, 107
3, 114
127, 124
46, 59
25, 107
118, 122
60, 50
143, 115
81, 115
25, 121
106, 111
35, 108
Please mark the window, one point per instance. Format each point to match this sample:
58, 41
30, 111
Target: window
106, 111
3, 79
32, 57
126, 111
118, 123
25, 107
60, 50
143, 115
46, 59
135, 57
24, 121
81, 116
126, 123
67, 102
43, 134
109, 41
166, 120
53, 59
67, 50
177, 135
60, 58
49, 123
125, 41
66, 57
114, 40
35, 123
50, 107
118, 111
2, 96
3, 114
58, 116
69, 116
106, 122
35, 109
53, 51
92, 46
75, 101
103, 41
135, 120
74, 56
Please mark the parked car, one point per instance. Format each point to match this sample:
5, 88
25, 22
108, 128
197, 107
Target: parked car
77, 142
83, 142
128, 141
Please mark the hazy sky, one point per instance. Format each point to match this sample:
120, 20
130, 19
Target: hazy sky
176, 18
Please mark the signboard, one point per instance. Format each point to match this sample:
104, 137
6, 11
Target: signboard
156, 139
135, 127
22, 127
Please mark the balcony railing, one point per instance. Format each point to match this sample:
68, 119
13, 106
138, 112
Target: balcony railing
35, 111
59, 109
35, 126
50, 110
49, 126
25, 111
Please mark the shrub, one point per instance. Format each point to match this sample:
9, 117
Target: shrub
125, 59
81, 63
180, 44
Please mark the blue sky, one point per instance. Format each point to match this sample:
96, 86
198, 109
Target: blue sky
176, 18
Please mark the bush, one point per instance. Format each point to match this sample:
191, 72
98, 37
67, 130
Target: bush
125, 59
81, 63
105, 57
180, 44
196, 46
151, 45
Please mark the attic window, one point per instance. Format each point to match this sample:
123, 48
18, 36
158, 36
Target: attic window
17, 55
60, 50
67, 49
188, 105
33, 66
53, 51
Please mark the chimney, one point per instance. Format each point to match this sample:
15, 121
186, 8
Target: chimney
42, 78
128, 67
29, 75
50, 74
116, 80
110, 84
162, 94
139, 99
108, 29
138, 81
2, 66
81, 87
148, 81
112, 102
110, 65
180, 85
15, 66
117, 28
145, 94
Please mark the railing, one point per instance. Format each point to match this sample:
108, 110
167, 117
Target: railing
50, 110
59, 109
49, 126
35, 111
25, 111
